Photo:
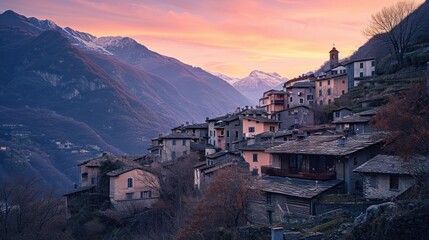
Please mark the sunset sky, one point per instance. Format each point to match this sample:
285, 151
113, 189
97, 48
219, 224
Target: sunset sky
233, 37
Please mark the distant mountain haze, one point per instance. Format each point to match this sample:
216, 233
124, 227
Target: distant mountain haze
120, 91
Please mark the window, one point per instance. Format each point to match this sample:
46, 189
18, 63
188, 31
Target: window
329, 82
129, 196
329, 101
227, 133
361, 65
193, 131
290, 99
361, 74
255, 157
320, 84
251, 129
93, 180
321, 102
301, 100
174, 142
130, 182
236, 134
372, 73
255, 171
373, 181
173, 155
329, 91
184, 142
221, 133
337, 114
372, 63
320, 93
146, 194
394, 182
343, 92
272, 129
309, 97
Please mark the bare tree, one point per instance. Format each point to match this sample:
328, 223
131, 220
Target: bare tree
397, 25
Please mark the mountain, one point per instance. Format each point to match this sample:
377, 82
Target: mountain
254, 85
95, 94
230, 80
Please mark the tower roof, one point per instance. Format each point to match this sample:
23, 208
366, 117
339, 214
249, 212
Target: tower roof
333, 50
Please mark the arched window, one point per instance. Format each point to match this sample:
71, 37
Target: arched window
130, 182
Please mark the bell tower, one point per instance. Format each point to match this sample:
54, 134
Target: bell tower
333, 57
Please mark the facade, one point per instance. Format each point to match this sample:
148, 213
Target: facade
386, 176
273, 101
175, 145
295, 117
300, 93
330, 88
198, 130
256, 156
324, 158
133, 184
341, 112
358, 70
357, 123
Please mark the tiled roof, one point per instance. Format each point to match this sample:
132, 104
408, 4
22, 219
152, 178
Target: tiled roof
260, 146
389, 164
294, 187
274, 91
303, 85
275, 134
197, 126
327, 145
220, 154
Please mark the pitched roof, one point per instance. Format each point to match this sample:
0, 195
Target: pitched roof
220, 154
121, 170
303, 85
389, 164
77, 190
327, 145
360, 117
294, 187
275, 134
260, 146
261, 119
197, 126
175, 135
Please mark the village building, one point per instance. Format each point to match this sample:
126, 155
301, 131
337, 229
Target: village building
231, 131
300, 93
256, 156
295, 117
197, 130
386, 176
133, 184
303, 78
357, 123
358, 70
278, 136
341, 112
203, 171
330, 88
175, 145
273, 101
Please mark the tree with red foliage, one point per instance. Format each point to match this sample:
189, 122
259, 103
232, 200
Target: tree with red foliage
223, 205
406, 120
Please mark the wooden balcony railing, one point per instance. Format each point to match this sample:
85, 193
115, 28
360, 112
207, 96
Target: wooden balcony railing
269, 170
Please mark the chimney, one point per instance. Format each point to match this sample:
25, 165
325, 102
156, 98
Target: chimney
247, 107
277, 233
251, 107
237, 110
342, 141
207, 119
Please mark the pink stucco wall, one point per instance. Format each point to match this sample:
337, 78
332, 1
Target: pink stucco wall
263, 159
142, 181
259, 127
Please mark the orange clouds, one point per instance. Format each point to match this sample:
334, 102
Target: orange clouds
229, 36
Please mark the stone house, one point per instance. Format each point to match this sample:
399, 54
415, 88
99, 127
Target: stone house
386, 176
341, 112
357, 123
300, 93
256, 156
131, 184
198, 130
175, 145
295, 117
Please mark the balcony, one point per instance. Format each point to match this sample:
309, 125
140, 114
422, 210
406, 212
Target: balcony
279, 102
268, 170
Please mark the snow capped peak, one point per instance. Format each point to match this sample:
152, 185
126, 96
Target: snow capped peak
227, 79
45, 24
115, 41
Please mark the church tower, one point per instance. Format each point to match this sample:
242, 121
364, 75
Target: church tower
333, 57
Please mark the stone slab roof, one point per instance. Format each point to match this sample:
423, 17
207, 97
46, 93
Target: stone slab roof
360, 117
295, 187
327, 145
274, 134
260, 146
121, 170
175, 135
81, 190
261, 119
389, 164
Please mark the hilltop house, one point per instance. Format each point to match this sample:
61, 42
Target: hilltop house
295, 117
386, 176
172, 146
273, 101
231, 131
358, 70
300, 93
197, 130
330, 88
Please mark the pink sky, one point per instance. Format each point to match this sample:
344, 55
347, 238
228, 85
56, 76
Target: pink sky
233, 37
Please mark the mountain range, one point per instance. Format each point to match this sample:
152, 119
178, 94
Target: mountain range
109, 92
254, 85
